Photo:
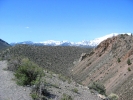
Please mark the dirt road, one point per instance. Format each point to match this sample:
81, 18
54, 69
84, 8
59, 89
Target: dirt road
9, 90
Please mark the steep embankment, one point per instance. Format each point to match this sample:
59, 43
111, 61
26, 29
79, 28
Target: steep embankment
9, 90
55, 58
108, 64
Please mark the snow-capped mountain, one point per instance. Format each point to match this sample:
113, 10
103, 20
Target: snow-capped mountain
25, 42
91, 43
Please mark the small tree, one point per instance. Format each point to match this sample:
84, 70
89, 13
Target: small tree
129, 62
119, 60
129, 69
100, 88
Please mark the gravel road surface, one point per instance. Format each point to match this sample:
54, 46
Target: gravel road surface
9, 90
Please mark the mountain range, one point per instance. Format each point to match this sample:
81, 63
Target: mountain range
89, 43
109, 65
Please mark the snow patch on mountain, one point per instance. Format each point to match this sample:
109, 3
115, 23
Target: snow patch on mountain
91, 43
53, 42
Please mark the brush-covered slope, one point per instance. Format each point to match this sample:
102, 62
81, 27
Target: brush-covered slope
3, 45
110, 63
55, 58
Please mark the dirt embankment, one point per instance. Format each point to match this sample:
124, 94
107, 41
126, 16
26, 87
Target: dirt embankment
109, 65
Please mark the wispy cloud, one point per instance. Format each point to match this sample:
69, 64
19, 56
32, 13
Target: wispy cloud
27, 27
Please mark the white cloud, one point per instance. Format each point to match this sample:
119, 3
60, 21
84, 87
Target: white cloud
27, 27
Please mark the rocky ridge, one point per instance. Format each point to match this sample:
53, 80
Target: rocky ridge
108, 64
3, 45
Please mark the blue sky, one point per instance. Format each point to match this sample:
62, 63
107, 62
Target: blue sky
72, 20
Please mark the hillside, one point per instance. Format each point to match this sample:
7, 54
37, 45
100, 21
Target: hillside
57, 86
3, 45
55, 58
109, 63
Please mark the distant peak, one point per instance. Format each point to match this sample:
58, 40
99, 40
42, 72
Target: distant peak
85, 43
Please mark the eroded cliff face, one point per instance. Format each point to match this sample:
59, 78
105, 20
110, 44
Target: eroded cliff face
107, 64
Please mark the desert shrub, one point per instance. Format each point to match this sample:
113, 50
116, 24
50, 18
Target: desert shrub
98, 87
55, 85
62, 77
66, 97
28, 73
0, 58
113, 96
119, 60
129, 62
14, 63
39, 92
75, 90
34, 96
69, 80
122, 36
129, 69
